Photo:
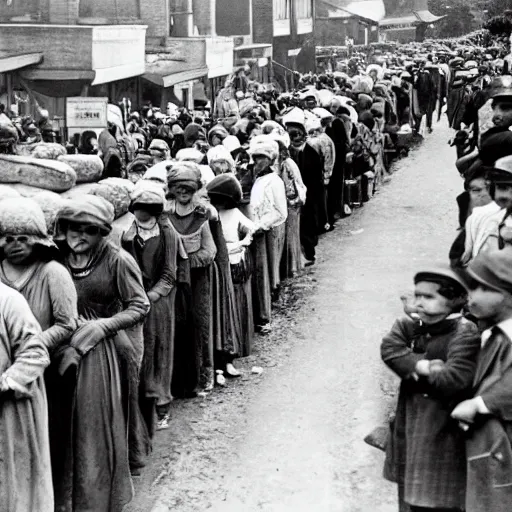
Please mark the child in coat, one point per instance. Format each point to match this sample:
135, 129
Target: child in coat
435, 356
488, 415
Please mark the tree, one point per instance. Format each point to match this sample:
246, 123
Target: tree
494, 7
458, 20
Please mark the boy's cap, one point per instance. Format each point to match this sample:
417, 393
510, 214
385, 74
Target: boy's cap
440, 274
493, 269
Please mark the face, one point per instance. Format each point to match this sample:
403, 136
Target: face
261, 163
310, 103
479, 192
297, 137
431, 306
17, 249
142, 215
220, 167
502, 113
503, 195
485, 303
184, 194
216, 140
82, 238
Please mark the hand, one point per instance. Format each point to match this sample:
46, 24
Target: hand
87, 336
423, 368
466, 411
3, 385
436, 366
153, 296
69, 358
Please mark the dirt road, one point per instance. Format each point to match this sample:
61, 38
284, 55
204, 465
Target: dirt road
291, 439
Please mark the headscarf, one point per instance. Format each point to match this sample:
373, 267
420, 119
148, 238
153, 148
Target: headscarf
158, 172
87, 209
227, 186
147, 192
23, 216
185, 173
220, 154
263, 145
231, 143
190, 155
192, 133
219, 131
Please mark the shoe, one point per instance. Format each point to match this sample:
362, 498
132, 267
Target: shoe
220, 379
264, 329
310, 262
209, 380
163, 423
232, 372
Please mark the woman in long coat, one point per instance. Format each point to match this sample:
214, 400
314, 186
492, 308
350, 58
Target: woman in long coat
154, 244
101, 361
190, 220
27, 264
425, 453
25, 469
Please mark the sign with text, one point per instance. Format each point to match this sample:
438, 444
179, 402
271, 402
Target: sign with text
86, 112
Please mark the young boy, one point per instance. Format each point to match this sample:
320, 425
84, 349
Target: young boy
435, 356
489, 413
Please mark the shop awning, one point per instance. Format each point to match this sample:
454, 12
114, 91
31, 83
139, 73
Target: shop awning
427, 16
166, 73
10, 61
368, 10
402, 20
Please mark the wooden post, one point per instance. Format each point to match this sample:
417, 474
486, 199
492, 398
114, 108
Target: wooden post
8, 83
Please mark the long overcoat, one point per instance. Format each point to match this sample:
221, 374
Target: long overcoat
425, 452
489, 443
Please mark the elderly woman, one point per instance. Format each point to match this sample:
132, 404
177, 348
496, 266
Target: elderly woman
104, 359
269, 211
25, 469
154, 244
190, 219
225, 194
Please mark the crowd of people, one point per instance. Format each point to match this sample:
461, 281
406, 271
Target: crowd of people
450, 443
99, 333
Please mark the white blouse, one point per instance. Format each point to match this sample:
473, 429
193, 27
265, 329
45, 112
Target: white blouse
268, 205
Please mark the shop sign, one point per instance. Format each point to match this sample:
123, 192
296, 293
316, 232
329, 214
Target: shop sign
86, 113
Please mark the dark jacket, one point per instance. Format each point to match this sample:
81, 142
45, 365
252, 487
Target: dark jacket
489, 443
425, 452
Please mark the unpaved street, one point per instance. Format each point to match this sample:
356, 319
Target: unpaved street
291, 439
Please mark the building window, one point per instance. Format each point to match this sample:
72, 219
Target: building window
282, 17
281, 9
304, 9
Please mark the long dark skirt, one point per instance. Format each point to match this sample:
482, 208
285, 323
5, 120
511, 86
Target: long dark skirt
262, 300
291, 262
242, 284
202, 314
185, 377
158, 362
276, 238
90, 460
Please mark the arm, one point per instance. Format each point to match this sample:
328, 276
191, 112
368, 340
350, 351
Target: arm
278, 212
497, 400
30, 356
64, 306
206, 254
165, 284
458, 371
294, 170
396, 349
330, 156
